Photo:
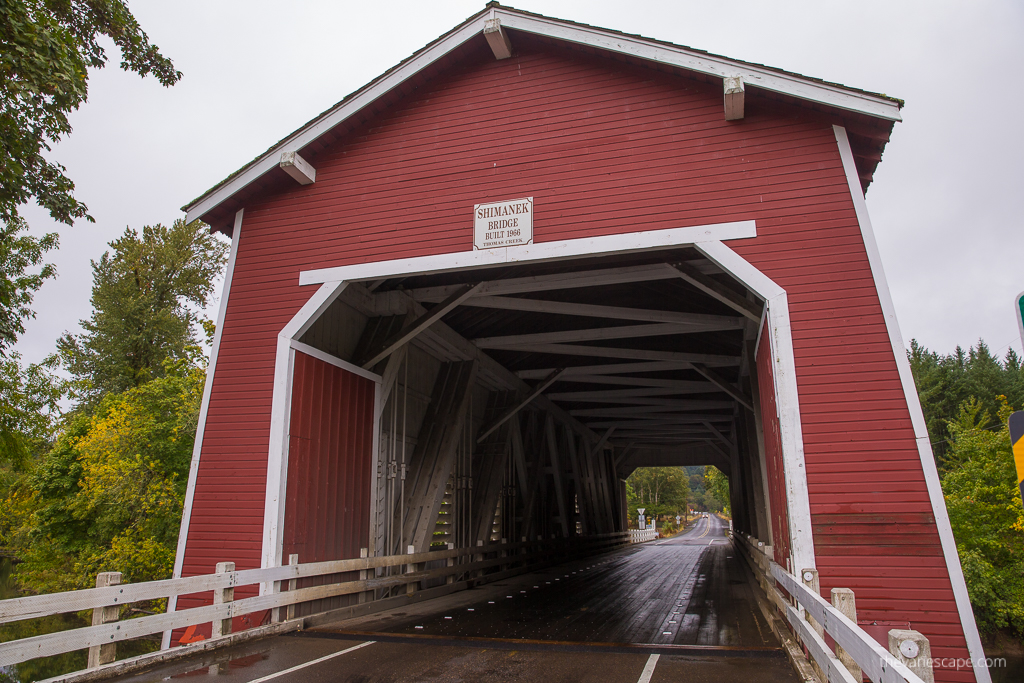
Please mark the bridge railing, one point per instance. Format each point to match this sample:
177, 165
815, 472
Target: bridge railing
810, 616
463, 565
642, 535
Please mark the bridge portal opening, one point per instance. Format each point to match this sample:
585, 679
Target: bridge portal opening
511, 403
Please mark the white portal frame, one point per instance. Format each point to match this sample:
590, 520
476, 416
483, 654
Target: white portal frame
707, 239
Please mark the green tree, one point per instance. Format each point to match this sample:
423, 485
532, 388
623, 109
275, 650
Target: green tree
145, 296
48, 47
20, 255
716, 486
944, 382
109, 495
29, 409
661, 490
984, 504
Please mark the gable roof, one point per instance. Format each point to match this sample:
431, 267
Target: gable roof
219, 203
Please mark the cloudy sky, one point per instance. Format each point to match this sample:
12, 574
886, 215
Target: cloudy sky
945, 202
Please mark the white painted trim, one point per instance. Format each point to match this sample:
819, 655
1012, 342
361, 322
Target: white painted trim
544, 251
684, 58
786, 396
924, 448
193, 469
704, 63
280, 411
349, 106
335, 361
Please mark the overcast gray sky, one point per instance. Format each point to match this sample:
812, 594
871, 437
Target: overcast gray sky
945, 202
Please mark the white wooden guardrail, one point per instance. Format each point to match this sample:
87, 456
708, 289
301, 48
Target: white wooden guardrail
822, 617
642, 536
467, 563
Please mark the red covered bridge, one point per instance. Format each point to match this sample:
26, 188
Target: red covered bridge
465, 303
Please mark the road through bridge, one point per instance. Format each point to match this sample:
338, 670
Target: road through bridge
673, 609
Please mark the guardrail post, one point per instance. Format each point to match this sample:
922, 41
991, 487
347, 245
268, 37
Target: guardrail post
222, 627
844, 601
104, 654
410, 568
810, 579
914, 650
293, 561
450, 578
365, 596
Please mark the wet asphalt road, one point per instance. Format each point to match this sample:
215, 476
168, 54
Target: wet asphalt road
679, 609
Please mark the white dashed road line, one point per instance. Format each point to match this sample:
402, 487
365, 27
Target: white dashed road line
338, 654
645, 675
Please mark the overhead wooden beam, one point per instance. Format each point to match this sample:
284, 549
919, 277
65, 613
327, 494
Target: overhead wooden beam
733, 86
621, 457
537, 391
601, 442
649, 401
611, 394
497, 38
566, 280
628, 410
681, 386
588, 334
718, 291
701, 320
422, 323
298, 168
608, 369
725, 385
640, 420
719, 435
613, 352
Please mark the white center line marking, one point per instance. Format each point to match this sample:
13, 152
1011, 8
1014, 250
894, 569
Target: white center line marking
645, 675
332, 656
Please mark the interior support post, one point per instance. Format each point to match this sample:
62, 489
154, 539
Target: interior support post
556, 474
489, 464
434, 456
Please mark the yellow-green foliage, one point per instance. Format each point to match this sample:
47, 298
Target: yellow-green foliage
984, 504
108, 496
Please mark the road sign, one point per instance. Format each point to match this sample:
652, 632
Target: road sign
1020, 315
640, 511
1017, 439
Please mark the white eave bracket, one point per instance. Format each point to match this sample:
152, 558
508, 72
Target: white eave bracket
298, 168
497, 38
733, 97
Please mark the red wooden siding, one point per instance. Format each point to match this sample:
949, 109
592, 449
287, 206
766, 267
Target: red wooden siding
776, 471
327, 504
652, 150
327, 508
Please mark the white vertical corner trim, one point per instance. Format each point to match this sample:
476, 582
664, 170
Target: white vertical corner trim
280, 411
924, 448
787, 399
193, 469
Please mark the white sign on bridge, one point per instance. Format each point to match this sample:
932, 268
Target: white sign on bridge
503, 224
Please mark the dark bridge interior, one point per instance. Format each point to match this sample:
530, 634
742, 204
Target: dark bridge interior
515, 400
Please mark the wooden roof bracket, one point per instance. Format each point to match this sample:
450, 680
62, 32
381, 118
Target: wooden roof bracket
298, 168
497, 38
733, 97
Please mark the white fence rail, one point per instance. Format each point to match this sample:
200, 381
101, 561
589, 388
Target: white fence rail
642, 536
821, 617
468, 563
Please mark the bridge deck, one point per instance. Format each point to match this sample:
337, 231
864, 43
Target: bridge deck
682, 605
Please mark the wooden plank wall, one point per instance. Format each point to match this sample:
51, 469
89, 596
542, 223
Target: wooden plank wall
776, 473
604, 148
